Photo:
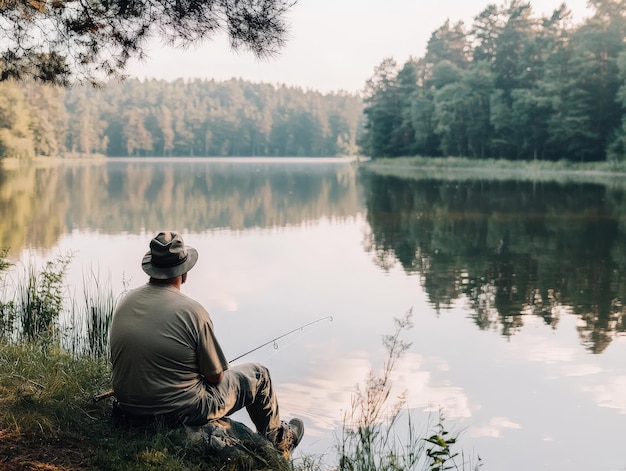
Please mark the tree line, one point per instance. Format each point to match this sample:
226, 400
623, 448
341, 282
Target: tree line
511, 85
179, 118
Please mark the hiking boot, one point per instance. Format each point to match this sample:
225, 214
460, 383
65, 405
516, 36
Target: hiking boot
290, 437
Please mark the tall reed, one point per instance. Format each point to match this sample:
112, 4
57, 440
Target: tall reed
7, 308
36, 306
40, 298
92, 321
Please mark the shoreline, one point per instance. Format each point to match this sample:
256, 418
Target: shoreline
497, 170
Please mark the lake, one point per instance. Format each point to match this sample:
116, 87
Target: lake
516, 288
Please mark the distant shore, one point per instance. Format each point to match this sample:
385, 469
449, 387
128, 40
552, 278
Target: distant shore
12, 163
453, 168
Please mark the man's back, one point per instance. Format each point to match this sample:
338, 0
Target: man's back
159, 340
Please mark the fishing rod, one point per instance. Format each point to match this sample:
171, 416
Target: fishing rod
274, 340
111, 393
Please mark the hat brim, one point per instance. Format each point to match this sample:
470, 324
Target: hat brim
165, 273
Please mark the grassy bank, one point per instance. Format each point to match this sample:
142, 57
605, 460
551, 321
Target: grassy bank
453, 168
49, 421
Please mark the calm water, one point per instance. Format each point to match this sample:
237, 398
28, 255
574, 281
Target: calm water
517, 288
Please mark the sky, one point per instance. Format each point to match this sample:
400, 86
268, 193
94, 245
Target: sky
332, 45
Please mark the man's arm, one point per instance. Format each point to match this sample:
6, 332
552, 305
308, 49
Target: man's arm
210, 355
215, 379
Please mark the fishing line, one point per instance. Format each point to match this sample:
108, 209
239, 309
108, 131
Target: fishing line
275, 340
274, 349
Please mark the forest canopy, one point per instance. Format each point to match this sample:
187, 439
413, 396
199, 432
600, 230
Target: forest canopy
58, 41
510, 85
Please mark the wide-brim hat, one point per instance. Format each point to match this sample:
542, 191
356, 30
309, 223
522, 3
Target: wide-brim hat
168, 256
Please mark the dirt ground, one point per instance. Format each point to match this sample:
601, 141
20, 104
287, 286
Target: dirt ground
18, 452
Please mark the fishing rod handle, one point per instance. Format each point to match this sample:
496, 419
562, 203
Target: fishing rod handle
105, 395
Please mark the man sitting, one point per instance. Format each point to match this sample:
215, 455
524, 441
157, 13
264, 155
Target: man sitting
168, 363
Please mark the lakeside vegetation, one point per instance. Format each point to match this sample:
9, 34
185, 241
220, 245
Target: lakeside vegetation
464, 168
48, 419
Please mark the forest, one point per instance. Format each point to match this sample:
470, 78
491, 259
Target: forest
180, 118
511, 85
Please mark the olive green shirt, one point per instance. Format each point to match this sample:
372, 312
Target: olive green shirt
162, 347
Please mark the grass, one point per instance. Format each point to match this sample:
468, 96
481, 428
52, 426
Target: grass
455, 168
49, 421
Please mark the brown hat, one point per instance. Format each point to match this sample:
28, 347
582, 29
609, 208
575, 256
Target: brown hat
168, 257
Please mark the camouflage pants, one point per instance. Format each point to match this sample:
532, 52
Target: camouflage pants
247, 385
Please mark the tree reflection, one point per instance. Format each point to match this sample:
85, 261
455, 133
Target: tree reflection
507, 248
38, 205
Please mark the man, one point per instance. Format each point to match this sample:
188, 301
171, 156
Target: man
168, 363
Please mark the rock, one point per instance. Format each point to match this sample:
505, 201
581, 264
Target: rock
224, 441
235, 442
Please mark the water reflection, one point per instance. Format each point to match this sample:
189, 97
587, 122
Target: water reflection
281, 245
507, 248
39, 205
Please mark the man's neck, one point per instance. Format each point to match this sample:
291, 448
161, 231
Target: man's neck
174, 282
